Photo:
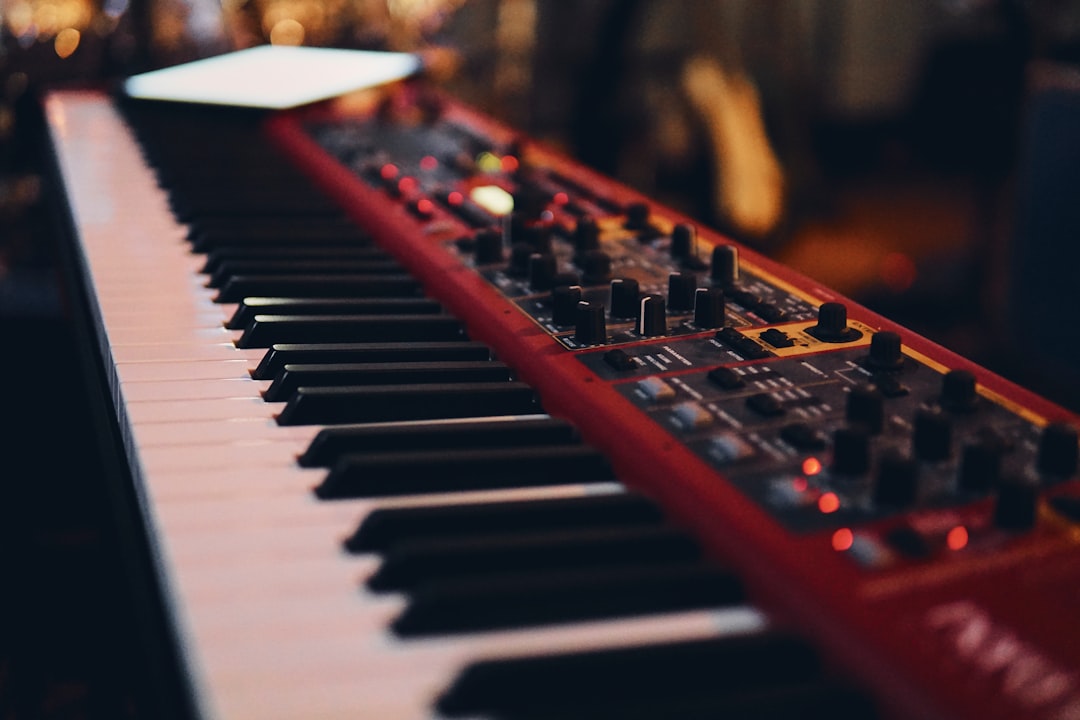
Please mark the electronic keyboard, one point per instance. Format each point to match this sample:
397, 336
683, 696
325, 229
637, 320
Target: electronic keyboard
427, 420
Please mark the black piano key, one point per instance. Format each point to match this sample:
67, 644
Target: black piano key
384, 403
708, 678
266, 330
346, 285
251, 306
293, 377
330, 444
228, 269
414, 563
385, 528
305, 251
281, 354
543, 598
210, 233
433, 471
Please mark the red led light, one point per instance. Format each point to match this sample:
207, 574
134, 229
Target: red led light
425, 206
509, 163
843, 539
455, 198
800, 484
811, 466
957, 539
828, 503
388, 171
428, 162
560, 198
406, 185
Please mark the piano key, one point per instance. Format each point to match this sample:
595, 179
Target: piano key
411, 472
209, 233
384, 528
267, 330
351, 285
294, 376
249, 307
540, 598
269, 267
381, 403
333, 442
306, 251
282, 354
417, 562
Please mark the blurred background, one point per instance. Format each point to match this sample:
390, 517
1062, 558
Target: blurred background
922, 158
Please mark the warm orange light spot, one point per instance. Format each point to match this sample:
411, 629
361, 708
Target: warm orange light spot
811, 466
429, 162
898, 271
561, 198
957, 539
843, 539
828, 503
800, 484
509, 163
67, 42
287, 32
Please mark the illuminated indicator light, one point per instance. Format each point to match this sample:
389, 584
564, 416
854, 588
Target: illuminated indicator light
425, 206
957, 539
843, 539
406, 185
388, 171
561, 198
828, 503
509, 163
488, 163
494, 199
428, 162
800, 484
811, 466
67, 42
455, 198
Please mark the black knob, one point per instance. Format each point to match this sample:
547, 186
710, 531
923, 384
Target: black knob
586, 236
897, 481
885, 351
652, 317
931, 438
866, 409
683, 240
832, 324
851, 451
589, 327
958, 391
724, 266
1057, 450
1016, 504
681, 287
980, 467
596, 265
520, 253
489, 247
564, 304
542, 269
709, 307
625, 298
637, 216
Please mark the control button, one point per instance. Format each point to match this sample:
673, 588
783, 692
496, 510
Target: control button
931, 437
897, 480
681, 287
769, 312
958, 393
741, 344
1067, 506
656, 389
683, 239
866, 408
625, 298
765, 404
692, 416
832, 324
1058, 450
980, 467
726, 378
586, 236
637, 216
564, 302
652, 318
889, 385
777, 338
620, 360
851, 451
542, 269
885, 351
724, 265
802, 436
1016, 505
709, 307
596, 266
488, 248
589, 327
727, 448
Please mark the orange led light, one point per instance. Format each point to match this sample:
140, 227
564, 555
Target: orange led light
828, 503
843, 539
561, 198
957, 539
509, 163
811, 466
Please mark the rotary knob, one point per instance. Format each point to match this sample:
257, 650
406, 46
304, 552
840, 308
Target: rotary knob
709, 307
586, 236
564, 303
897, 480
931, 438
958, 391
885, 351
683, 240
724, 265
596, 266
489, 247
542, 269
625, 298
652, 316
637, 216
865, 408
980, 467
681, 287
589, 326
851, 451
1058, 450
832, 324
